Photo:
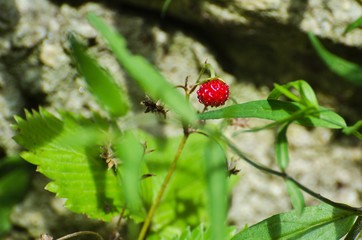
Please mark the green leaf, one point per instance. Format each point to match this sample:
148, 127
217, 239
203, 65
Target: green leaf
144, 73
14, 182
281, 147
100, 82
346, 69
277, 111
130, 151
186, 194
307, 95
67, 150
296, 196
216, 175
354, 129
165, 6
201, 233
356, 24
317, 222
283, 90
355, 230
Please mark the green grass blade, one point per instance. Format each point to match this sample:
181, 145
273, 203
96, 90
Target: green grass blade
165, 6
296, 196
355, 231
281, 147
277, 111
216, 189
130, 152
317, 222
100, 81
346, 69
354, 25
144, 73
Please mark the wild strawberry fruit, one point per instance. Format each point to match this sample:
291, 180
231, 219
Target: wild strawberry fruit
213, 93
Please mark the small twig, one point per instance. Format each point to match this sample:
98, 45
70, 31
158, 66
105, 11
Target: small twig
285, 176
81, 233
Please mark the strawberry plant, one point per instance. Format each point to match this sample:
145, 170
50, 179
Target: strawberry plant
174, 188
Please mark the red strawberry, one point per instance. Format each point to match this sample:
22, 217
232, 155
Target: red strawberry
213, 93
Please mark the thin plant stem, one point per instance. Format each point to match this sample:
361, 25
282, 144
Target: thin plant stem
285, 176
77, 234
160, 193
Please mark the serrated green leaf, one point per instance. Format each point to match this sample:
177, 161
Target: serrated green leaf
146, 75
100, 82
317, 222
281, 147
356, 24
216, 175
37, 139
346, 69
77, 171
278, 111
296, 196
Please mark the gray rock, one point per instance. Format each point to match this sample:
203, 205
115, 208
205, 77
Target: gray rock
242, 18
9, 15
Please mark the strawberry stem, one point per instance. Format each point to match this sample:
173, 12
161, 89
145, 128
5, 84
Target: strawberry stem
209, 68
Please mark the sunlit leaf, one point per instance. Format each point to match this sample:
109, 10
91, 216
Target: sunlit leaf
216, 175
354, 129
296, 196
144, 73
278, 111
202, 233
305, 91
317, 222
281, 147
67, 150
185, 195
346, 69
130, 152
307, 94
100, 81
354, 25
